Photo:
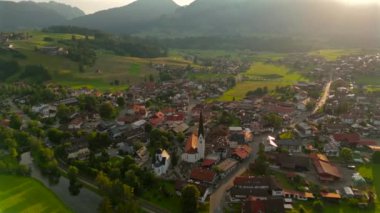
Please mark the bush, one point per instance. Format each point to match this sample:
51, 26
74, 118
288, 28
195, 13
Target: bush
318, 205
376, 158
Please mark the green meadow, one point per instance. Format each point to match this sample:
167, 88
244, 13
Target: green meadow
22, 194
334, 54
262, 75
108, 68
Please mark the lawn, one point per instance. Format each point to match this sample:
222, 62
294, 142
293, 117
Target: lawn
262, 75
22, 194
204, 76
334, 54
155, 196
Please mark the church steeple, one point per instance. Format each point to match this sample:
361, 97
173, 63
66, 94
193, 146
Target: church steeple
201, 130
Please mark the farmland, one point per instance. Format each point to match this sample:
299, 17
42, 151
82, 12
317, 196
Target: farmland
21, 194
107, 69
262, 75
334, 54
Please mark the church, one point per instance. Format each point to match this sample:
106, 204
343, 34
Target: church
195, 146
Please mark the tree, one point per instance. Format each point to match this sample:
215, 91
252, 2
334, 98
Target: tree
15, 122
74, 186
260, 166
120, 101
301, 209
64, 112
346, 154
376, 157
106, 206
318, 205
274, 120
189, 199
107, 111
55, 135
151, 78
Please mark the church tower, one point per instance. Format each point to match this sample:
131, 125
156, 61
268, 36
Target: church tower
201, 138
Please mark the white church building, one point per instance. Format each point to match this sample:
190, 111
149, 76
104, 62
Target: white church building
195, 146
161, 162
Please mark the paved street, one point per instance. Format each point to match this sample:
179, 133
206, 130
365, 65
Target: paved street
217, 199
323, 98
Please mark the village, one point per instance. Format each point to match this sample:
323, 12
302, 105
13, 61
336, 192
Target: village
270, 152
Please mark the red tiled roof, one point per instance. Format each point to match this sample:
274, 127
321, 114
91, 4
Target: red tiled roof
330, 195
175, 117
192, 144
208, 162
204, 175
326, 169
76, 121
367, 143
345, 137
242, 152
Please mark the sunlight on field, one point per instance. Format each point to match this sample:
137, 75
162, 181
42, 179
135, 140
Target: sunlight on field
262, 75
21, 194
334, 54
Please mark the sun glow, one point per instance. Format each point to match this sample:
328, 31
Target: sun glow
362, 1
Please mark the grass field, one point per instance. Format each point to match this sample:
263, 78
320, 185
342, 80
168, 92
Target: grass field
108, 68
156, 197
261, 75
334, 54
22, 194
207, 76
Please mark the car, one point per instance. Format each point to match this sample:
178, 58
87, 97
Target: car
351, 166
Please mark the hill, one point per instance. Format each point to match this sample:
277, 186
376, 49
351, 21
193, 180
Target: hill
65, 10
27, 15
131, 18
317, 18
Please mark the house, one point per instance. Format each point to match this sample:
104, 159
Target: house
195, 146
242, 152
45, 110
304, 196
260, 187
157, 119
270, 144
293, 162
268, 205
142, 155
376, 120
203, 176
293, 146
331, 196
325, 170
78, 150
304, 129
80, 154
227, 166
138, 124
161, 162
76, 124
332, 149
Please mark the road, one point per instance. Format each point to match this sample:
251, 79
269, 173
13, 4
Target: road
218, 196
323, 98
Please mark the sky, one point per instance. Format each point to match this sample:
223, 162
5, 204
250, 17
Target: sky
91, 6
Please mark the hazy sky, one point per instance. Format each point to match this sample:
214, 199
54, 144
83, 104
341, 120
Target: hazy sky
90, 6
